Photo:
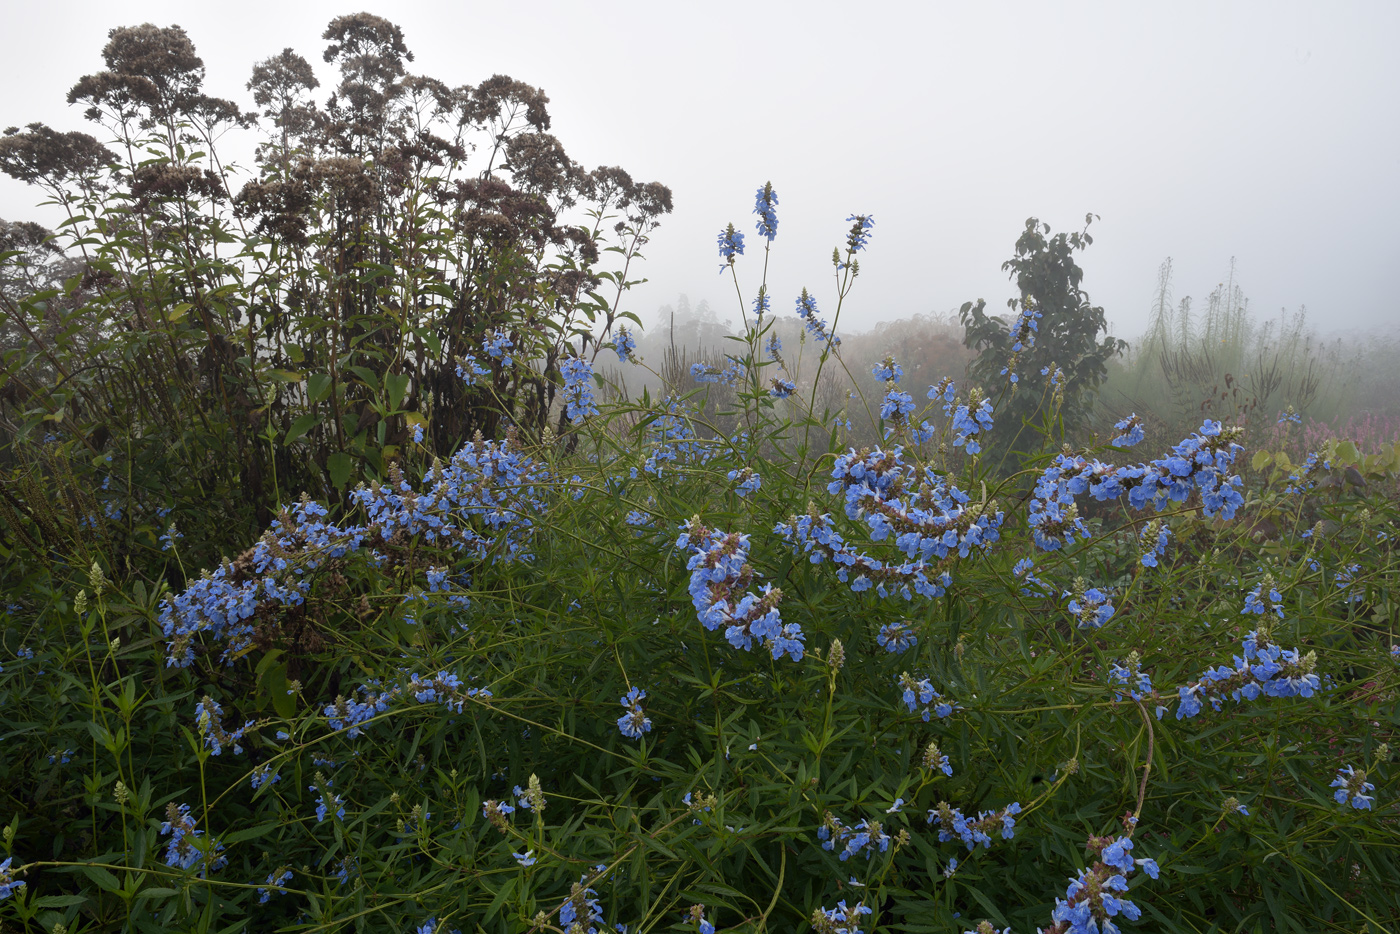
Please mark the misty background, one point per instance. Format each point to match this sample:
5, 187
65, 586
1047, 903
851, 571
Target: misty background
1259, 131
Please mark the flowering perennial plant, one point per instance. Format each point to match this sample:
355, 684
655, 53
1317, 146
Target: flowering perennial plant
1201, 464
634, 722
1265, 670
1096, 896
719, 582
1352, 788
482, 503
867, 837
929, 519
918, 694
952, 825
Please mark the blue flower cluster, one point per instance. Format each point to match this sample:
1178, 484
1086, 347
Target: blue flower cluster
487, 484
709, 373
1352, 788
209, 718
859, 233
888, 371
1022, 334
731, 244
929, 519
1095, 897
1264, 598
746, 481
934, 759
918, 695
1091, 606
1024, 571
1200, 463
897, 637
816, 326
324, 806
1265, 670
469, 369
1304, 477
369, 700
867, 837
969, 420
781, 388
275, 880
625, 345
897, 407
1153, 540
582, 908
839, 920
761, 305
8, 883
1129, 431
497, 345
953, 825
671, 439
497, 813
634, 722
764, 203
1024, 330
1140, 683
181, 850
577, 394
720, 576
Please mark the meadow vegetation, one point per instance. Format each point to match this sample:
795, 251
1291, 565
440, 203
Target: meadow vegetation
366, 568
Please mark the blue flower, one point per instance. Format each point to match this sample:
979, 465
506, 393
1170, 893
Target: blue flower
897, 637
763, 203
577, 394
816, 326
1129, 432
782, 388
275, 880
731, 244
760, 303
635, 722
209, 719
897, 406
525, 859
497, 345
859, 233
625, 345
746, 481
1352, 788
181, 851
8, 883
888, 370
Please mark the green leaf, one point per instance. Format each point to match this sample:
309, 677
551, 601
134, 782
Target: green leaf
102, 876
395, 385
300, 427
317, 386
366, 376
339, 465
250, 833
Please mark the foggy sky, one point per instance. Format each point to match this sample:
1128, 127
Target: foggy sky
1263, 131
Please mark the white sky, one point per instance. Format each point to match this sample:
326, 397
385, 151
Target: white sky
1266, 131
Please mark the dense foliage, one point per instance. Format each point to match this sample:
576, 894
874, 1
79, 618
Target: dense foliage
533, 660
